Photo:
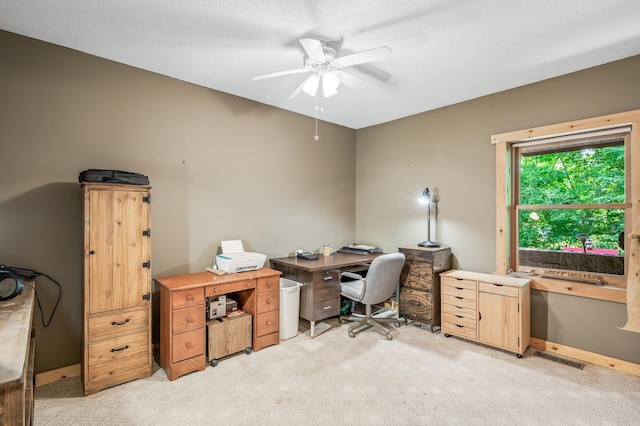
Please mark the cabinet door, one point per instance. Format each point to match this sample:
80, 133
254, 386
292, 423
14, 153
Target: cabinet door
116, 274
498, 320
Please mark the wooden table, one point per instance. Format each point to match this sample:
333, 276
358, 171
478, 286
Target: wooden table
17, 353
320, 279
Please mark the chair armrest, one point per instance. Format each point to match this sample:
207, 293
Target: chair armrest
352, 276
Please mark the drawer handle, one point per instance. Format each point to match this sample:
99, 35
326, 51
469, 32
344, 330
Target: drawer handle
417, 274
459, 316
459, 279
190, 298
268, 322
120, 349
458, 297
268, 301
459, 307
458, 325
189, 319
479, 316
269, 284
327, 278
415, 302
497, 285
458, 288
216, 290
120, 323
248, 284
189, 345
327, 307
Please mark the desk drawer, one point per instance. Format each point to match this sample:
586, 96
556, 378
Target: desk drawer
187, 345
268, 301
459, 330
459, 292
185, 298
458, 319
120, 322
326, 308
268, 284
188, 319
267, 323
459, 311
218, 289
118, 355
416, 304
417, 275
459, 301
460, 283
503, 290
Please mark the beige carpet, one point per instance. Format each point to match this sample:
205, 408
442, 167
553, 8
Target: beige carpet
418, 378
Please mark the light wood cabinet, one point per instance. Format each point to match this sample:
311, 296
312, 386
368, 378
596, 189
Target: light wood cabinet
489, 309
117, 285
420, 283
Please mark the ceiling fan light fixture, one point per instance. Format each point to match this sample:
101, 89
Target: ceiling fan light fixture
330, 83
311, 85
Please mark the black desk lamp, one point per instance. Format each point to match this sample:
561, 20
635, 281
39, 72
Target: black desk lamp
426, 199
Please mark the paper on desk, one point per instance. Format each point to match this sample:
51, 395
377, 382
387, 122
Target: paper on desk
232, 246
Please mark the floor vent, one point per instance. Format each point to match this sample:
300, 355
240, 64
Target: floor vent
570, 363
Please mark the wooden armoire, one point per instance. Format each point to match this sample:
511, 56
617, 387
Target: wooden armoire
117, 285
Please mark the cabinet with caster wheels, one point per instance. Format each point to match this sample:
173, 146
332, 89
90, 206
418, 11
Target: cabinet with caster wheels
486, 308
227, 336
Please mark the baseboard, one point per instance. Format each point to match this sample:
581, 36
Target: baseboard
586, 356
58, 374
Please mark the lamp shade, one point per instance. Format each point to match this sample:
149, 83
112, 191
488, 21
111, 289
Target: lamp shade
311, 85
330, 83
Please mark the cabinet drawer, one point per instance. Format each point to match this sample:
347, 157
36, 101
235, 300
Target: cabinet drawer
326, 307
417, 275
268, 301
459, 292
459, 330
459, 301
118, 355
188, 319
459, 311
416, 304
187, 345
454, 282
120, 322
458, 319
218, 289
503, 290
268, 284
267, 323
185, 298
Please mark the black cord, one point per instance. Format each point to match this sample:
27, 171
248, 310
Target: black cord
30, 273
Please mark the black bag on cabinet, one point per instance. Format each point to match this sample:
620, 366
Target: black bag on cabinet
113, 176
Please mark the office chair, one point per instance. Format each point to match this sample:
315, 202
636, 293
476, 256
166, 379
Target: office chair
378, 286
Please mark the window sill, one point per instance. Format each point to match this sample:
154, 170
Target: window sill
605, 292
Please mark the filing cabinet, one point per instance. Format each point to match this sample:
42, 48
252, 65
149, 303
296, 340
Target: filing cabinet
321, 299
420, 283
489, 309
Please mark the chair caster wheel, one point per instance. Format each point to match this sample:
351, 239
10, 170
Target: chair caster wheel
397, 324
518, 356
389, 337
214, 362
352, 334
248, 351
446, 335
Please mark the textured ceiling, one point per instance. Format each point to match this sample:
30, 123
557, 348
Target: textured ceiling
443, 51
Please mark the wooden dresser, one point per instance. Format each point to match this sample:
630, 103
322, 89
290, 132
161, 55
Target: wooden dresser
183, 313
117, 285
420, 283
486, 308
17, 353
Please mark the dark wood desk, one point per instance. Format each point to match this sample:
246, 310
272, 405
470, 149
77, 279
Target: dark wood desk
320, 292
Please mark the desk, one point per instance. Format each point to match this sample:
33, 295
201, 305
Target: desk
17, 353
183, 313
320, 292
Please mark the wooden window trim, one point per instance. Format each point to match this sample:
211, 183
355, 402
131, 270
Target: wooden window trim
505, 208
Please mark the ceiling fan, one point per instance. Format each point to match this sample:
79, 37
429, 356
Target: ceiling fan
327, 68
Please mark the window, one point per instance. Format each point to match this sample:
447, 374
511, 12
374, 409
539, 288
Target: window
565, 203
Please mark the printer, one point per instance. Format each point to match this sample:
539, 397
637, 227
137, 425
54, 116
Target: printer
235, 259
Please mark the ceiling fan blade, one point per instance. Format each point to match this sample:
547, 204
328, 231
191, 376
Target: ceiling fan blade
313, 48
376, 54
299, 88
350, 80
279, 73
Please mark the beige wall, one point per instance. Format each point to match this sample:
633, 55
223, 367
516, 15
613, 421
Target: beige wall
221, 167
450, 149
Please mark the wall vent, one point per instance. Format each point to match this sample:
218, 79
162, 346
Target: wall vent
559, 360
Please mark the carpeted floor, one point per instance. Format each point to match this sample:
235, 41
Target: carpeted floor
418, 378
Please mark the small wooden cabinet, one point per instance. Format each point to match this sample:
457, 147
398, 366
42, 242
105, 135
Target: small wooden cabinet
117, 285
489, 309
228, 335
420, 282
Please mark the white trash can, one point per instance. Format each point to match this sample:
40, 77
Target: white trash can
289, 308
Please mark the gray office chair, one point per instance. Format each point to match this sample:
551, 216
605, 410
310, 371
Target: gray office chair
378, 286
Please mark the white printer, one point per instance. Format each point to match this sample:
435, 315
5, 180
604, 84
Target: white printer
235, 259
